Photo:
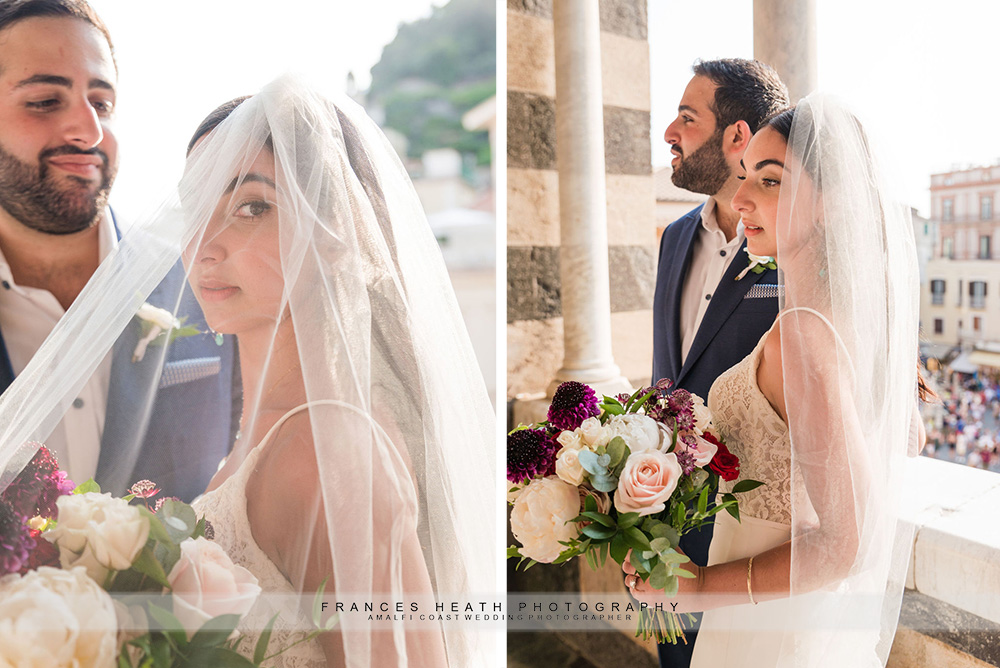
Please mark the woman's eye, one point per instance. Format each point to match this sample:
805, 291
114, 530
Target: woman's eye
741, 178
253, 209
770, 183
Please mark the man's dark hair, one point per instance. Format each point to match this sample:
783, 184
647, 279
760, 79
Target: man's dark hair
12, 11
746, 90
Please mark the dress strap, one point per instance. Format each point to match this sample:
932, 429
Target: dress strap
284, 418
825, 320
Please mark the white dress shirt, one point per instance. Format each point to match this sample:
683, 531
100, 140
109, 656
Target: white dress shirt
27, 316
709, 260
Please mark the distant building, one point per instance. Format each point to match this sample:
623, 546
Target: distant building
960, 286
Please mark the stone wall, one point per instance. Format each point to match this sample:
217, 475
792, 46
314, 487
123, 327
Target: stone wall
534, 322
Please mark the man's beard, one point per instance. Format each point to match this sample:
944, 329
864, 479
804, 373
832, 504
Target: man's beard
43, 202
704, 171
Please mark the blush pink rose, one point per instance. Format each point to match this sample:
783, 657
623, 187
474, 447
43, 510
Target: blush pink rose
206, 583
703, 453
646, 482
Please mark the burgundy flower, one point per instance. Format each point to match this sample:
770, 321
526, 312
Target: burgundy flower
35, 489
725, 463
144, 489
530, 452
15, 540
43, 554
572, 403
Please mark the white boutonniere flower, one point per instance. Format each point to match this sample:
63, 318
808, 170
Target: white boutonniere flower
758, 264
156, 321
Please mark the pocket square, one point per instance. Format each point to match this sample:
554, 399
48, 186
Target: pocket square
765, 291
185, 371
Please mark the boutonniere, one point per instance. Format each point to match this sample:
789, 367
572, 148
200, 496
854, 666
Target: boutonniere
758, 264
159, 326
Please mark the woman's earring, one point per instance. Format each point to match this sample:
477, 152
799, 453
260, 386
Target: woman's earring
218, 336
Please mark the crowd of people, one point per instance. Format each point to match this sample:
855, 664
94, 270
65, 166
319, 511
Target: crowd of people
964, 425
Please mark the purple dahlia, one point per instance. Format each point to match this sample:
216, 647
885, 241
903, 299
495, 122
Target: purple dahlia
16, 542
572, 403
35, 489
530, 453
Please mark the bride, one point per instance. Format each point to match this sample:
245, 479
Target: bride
365, 455
820, 411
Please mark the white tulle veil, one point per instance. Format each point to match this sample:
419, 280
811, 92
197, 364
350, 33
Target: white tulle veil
848, 342
401, 425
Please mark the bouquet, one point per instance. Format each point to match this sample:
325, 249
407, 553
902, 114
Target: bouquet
71, 559
627, 473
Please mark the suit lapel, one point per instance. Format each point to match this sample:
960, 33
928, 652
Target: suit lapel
675, 286
727, 297
131, 390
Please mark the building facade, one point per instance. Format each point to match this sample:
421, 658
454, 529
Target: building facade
960, 286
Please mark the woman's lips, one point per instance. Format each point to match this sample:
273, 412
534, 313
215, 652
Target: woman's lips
217, 293
751, 231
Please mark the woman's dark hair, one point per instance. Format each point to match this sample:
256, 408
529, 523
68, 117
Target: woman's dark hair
212, 121
12, 11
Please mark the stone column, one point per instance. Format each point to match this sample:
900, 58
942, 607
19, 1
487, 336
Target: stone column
784, 37
583, 225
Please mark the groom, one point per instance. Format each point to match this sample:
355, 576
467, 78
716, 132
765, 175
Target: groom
169, 418
704, 320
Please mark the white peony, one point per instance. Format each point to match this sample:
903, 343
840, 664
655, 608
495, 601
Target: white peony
50, 618
99, 532
568, 466
640, 433
206, 583
541, 518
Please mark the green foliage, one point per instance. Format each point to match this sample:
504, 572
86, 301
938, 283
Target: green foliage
434, 71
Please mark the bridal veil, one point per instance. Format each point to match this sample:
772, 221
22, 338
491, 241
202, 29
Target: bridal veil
849, 350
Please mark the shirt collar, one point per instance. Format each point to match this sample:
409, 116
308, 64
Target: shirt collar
710, 223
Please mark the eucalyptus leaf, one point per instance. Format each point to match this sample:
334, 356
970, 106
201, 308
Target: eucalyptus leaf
658, 577
604, 483
670, 586
616, 450
590, 503
660, 545
589, 461
684, 573
734, 511
626, 520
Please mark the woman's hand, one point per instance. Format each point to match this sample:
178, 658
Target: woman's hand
687, 589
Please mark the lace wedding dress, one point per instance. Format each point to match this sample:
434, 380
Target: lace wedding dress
747, 635
226, 508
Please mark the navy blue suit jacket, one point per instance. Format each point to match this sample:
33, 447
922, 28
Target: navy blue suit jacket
736, 318
196, 402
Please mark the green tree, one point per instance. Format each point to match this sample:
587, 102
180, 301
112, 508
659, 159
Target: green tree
435, 70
